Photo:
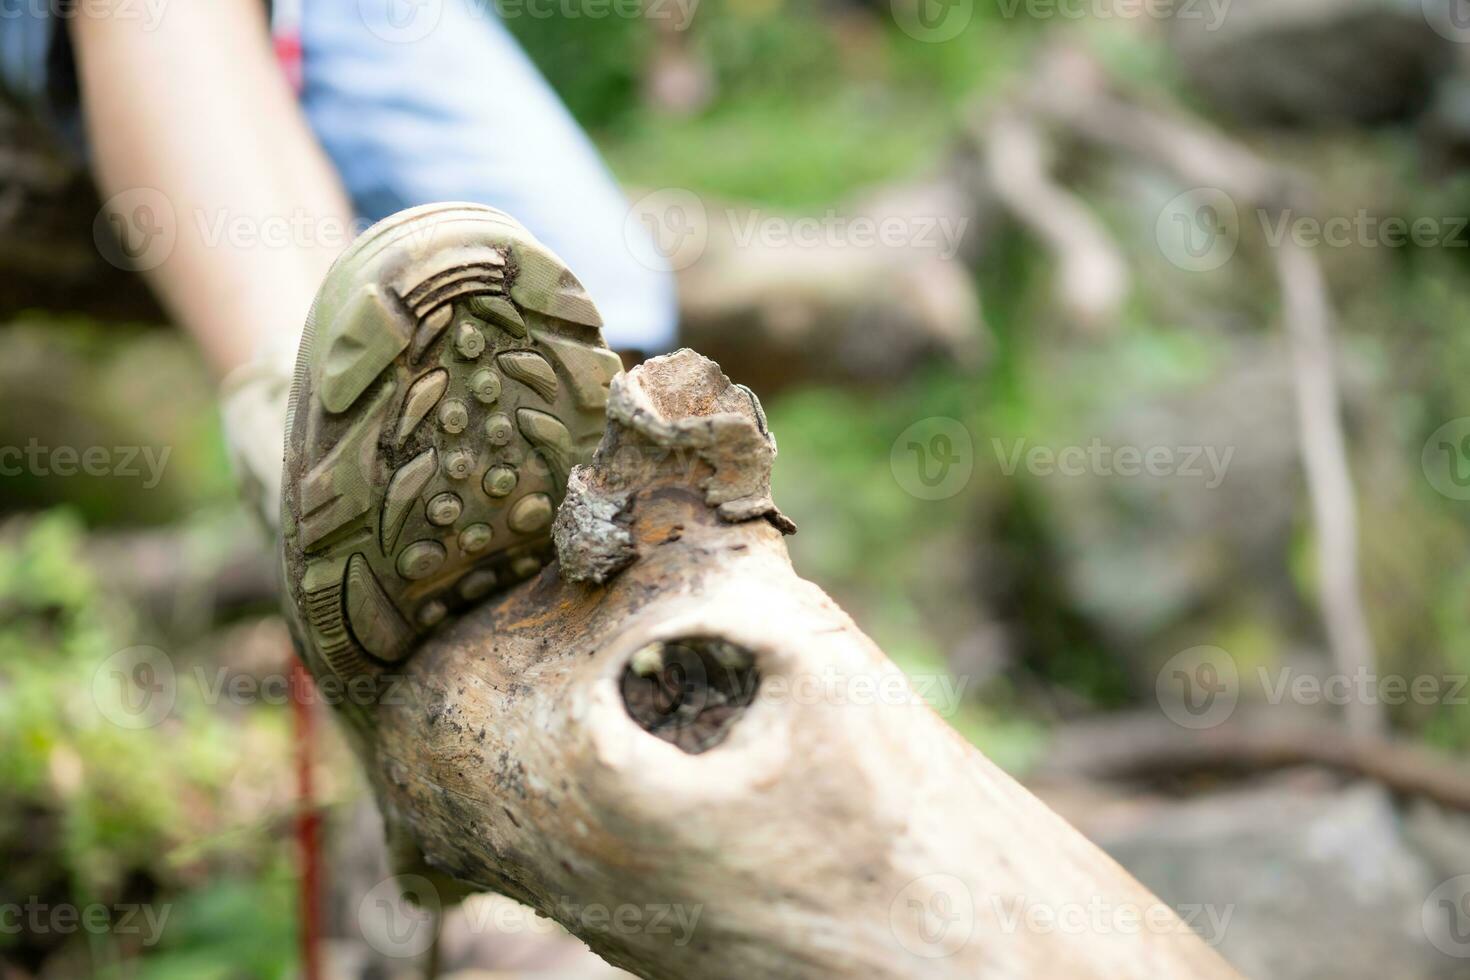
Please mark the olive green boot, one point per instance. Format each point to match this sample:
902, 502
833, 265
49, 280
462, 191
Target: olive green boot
450, 375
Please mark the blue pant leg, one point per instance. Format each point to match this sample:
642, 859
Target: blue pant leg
418, 101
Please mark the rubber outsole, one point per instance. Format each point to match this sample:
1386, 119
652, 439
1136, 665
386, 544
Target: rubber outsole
450, 375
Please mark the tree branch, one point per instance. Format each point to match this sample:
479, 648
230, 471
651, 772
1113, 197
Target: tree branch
707, 732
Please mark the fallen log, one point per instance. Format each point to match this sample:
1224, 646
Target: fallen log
670, 718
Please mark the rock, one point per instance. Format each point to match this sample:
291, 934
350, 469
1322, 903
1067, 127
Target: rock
864, 294
1140, 552
1299, 884
649, 436
1313, 62
1442, 836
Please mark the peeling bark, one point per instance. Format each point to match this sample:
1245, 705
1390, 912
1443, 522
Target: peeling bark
670, 429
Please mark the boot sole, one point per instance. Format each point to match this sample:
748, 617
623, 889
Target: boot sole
451, 373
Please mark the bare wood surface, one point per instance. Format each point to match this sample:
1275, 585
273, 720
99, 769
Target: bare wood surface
704, 731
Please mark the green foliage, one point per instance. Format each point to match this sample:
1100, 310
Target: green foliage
91, 811
776, 150
233, 927
592, 63
137, 395
805, 107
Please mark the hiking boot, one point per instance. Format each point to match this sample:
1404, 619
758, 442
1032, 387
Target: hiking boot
451, 373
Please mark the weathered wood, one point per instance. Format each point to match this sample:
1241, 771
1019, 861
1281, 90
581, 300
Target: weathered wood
706, 731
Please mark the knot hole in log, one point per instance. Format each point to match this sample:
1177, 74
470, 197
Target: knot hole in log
690, 691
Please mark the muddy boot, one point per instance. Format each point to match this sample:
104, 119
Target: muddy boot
451, 374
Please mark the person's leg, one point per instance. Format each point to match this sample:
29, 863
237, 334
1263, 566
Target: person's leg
191, 115
446, 106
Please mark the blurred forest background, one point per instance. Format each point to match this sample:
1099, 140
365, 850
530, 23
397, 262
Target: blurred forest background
1039, 607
